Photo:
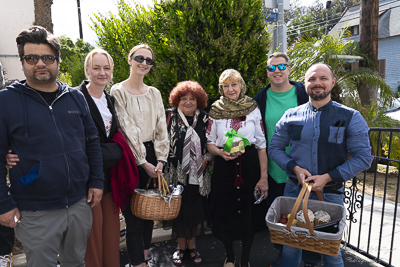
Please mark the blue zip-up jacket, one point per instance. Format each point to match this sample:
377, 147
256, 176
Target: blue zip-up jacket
320, 141
57, 145
261, 99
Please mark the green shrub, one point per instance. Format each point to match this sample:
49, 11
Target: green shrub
192, 40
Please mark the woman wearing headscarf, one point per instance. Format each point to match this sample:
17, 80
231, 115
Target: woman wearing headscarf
187, 163
235, 177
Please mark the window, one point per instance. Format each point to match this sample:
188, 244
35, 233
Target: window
354, 30
382, 67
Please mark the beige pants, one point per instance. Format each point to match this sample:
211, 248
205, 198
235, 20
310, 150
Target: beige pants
44, 234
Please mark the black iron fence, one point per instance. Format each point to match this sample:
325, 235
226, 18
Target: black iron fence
372, 200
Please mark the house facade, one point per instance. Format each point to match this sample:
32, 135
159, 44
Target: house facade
17, 15
389, 37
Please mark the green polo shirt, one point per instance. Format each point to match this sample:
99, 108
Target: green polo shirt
277, 104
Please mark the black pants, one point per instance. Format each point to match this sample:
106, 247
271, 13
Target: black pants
274, 190
138, 231
6, 240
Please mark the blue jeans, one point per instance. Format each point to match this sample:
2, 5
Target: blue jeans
291, 256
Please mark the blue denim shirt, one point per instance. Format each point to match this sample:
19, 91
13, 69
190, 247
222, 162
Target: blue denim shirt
320, 141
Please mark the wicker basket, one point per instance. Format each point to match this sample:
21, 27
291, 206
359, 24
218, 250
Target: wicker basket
163, 207
305, 238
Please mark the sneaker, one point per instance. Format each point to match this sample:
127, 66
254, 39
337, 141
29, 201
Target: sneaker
6, 260
310, 265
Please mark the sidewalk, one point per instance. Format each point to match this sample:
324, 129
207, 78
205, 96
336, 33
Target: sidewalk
213, 255
366, 230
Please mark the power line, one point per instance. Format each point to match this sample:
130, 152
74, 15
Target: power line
354, 16
318, 20
312, 29
292, 34
323, 22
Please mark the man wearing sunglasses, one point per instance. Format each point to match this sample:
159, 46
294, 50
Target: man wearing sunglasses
59, 175
273, 100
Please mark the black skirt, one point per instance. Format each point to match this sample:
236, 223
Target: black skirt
232, 198
191, 214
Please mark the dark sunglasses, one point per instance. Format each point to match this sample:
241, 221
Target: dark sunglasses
33, 59
140, 59
272, 68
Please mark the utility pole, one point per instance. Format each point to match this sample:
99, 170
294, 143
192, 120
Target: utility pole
282, 35
369, 33
328, 6
78, 2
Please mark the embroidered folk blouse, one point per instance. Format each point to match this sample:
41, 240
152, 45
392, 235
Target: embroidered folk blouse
141, 119
249, 127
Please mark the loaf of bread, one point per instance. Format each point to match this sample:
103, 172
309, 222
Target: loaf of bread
237, 146
321, 217
302, 221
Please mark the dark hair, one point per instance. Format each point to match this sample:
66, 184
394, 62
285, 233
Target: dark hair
183, 88
38, 35
279, 54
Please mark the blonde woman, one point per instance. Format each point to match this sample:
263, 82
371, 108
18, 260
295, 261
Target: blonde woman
141, 118
235, 177
103, 246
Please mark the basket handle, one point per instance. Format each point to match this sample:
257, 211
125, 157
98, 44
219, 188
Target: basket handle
148, 183
305, 192
162, 183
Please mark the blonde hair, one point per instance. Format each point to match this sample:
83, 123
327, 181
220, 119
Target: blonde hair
234, 75
137, 47
89, 58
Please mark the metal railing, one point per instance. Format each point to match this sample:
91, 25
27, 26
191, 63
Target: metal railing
372, 217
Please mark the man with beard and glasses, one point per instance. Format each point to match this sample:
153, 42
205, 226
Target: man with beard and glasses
59, 176
322, 135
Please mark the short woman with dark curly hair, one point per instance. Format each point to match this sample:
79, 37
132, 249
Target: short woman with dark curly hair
187, 127
183, 88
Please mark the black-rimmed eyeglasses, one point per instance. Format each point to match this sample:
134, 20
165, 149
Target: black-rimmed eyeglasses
140, 59
282, 66
34, 59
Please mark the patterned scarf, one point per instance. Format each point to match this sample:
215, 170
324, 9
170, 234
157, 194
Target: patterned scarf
192, 162
225, 108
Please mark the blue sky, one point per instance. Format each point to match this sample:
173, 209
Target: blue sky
65, 16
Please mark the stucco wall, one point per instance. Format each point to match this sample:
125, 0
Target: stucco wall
15, 16
389, 49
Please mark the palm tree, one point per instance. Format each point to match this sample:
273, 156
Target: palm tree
339, 51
